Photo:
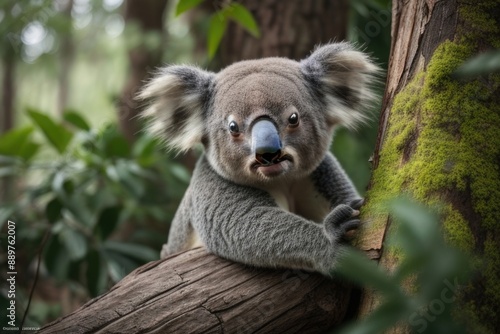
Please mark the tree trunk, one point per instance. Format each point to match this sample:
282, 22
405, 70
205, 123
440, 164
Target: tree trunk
196, 292
289, 29
143, 59
439, 139
7, 113
8, 93
66, 56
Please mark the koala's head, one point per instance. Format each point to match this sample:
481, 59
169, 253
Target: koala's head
262, 121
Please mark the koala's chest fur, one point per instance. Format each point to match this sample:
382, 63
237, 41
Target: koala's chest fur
301, 198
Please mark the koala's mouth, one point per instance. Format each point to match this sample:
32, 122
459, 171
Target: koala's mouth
272, 167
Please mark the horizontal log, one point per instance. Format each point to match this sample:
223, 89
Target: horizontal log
197, 292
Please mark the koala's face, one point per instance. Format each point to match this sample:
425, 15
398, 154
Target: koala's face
266, 123
266, 120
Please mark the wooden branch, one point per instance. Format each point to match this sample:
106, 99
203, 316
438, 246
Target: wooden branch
197, 292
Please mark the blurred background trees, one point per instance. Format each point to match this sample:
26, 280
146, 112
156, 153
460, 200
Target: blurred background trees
78, 175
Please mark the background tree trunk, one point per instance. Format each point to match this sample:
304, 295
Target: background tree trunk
439, 139
66, 56
196, 292
143, 59
289, 29
8, 92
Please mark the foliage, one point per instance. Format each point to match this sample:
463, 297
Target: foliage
432, 271
85, 186
484, 63
219, 20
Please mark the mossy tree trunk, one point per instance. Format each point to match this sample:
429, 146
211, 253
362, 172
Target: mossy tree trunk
439, 139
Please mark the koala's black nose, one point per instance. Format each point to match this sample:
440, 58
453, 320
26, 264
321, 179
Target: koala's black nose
266, 143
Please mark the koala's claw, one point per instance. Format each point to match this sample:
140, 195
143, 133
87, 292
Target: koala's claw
357, 203
340, 221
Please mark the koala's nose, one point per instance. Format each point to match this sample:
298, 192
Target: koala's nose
266, 143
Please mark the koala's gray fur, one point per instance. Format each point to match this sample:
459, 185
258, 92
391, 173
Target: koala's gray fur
292, 211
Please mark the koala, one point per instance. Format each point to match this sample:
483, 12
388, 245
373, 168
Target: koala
266, 192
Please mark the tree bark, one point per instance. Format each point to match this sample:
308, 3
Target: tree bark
289, 29
148, 15
196, 292
438, 140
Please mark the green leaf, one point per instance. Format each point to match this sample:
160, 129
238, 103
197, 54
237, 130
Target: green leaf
53, 210
56, 259
122, 173
118, 265
56, 134
144, 150
418, 227
216, 29
74, 242
180, 172
117, 147
241, 15
28, 150
76, 119
76, 209
13, 141
114, 143
380, 320
185, 5
481, 64
62, 185
357, 267
131, 250
107, 221
96, 273
5, 213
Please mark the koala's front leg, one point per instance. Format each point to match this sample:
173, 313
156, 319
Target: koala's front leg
245, 225
267, 236
332, 182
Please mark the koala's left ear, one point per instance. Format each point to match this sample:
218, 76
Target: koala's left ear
344, 77
178, 96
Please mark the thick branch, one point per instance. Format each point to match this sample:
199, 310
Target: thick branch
196, 292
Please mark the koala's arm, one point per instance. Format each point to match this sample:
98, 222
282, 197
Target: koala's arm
244, 224
333, 183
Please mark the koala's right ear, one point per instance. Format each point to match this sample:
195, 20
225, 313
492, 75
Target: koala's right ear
177, 99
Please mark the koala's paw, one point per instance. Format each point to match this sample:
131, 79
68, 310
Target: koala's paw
340, 221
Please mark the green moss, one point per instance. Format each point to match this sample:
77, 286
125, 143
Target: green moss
458, 230
479, 22
492, 275
456, 125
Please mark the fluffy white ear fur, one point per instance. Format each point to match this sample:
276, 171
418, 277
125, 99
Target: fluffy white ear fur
176, 96
345, 78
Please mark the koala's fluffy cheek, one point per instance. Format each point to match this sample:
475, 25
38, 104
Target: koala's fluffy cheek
229, 158
309, 143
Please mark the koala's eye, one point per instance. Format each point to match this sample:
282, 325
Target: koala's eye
234, 128
293, 120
